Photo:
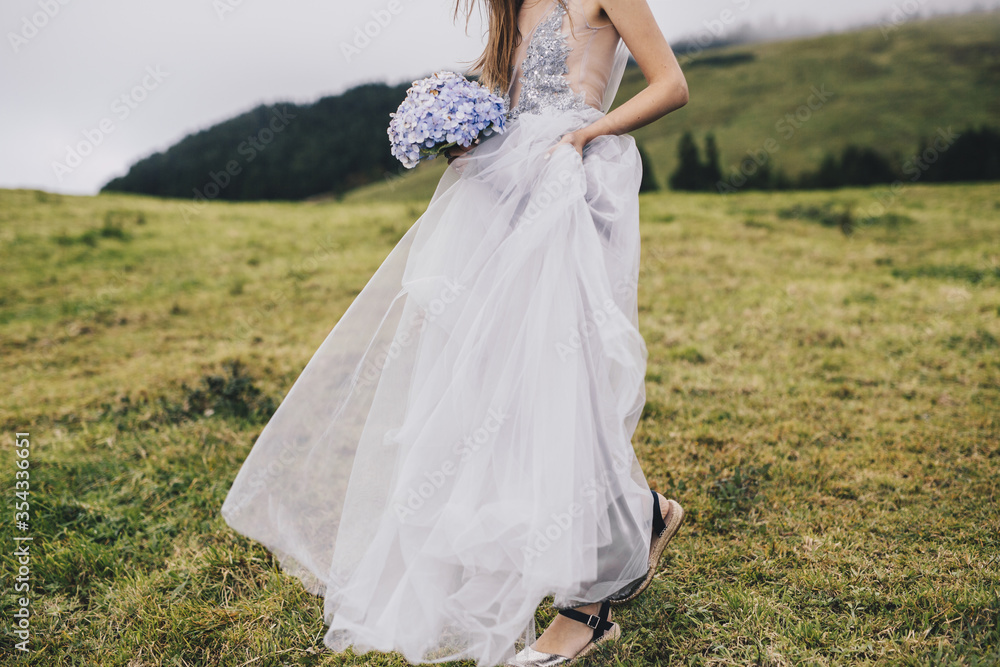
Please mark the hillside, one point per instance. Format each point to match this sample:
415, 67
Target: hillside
284, 151
880, 89
885, 92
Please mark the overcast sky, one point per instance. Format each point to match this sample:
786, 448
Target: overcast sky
125, 78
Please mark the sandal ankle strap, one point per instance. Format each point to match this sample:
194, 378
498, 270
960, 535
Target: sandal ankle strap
599, 623
659, 525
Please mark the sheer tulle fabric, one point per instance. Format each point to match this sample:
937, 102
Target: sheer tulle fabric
459, 446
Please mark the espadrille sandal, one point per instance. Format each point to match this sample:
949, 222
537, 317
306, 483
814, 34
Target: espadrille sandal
604, 631
664, 528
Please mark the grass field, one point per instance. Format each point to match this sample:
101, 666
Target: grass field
825, 405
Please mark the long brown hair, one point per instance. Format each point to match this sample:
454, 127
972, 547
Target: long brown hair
494, 65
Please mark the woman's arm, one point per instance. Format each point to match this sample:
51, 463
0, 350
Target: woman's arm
667, 90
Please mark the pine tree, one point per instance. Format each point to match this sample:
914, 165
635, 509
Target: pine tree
688, 175
712, 174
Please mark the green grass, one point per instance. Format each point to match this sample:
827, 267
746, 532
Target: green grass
887, 92
824, 405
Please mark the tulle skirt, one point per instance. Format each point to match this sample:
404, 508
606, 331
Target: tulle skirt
459, 447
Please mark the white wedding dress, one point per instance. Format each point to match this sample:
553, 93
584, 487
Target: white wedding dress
459, 447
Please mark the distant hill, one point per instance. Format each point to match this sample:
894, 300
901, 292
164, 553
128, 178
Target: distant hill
285, 151
881, 88
887, 92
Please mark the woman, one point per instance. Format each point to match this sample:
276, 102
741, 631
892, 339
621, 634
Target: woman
459, 447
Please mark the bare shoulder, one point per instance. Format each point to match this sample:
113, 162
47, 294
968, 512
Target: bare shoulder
608, 8
628, 16
638, 28
594, 11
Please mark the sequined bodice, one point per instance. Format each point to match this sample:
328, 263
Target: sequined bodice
565, 63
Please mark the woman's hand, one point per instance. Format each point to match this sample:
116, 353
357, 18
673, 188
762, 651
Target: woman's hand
458, 151
577, 139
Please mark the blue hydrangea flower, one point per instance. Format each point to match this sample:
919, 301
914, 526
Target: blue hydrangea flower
442, 111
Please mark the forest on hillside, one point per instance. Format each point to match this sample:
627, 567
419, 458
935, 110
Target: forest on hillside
283, 151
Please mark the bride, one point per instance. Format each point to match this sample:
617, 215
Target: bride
459, 446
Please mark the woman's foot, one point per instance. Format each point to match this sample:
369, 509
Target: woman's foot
567, 637
562, 644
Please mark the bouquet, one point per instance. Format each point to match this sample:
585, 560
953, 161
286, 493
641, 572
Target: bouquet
442, 111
